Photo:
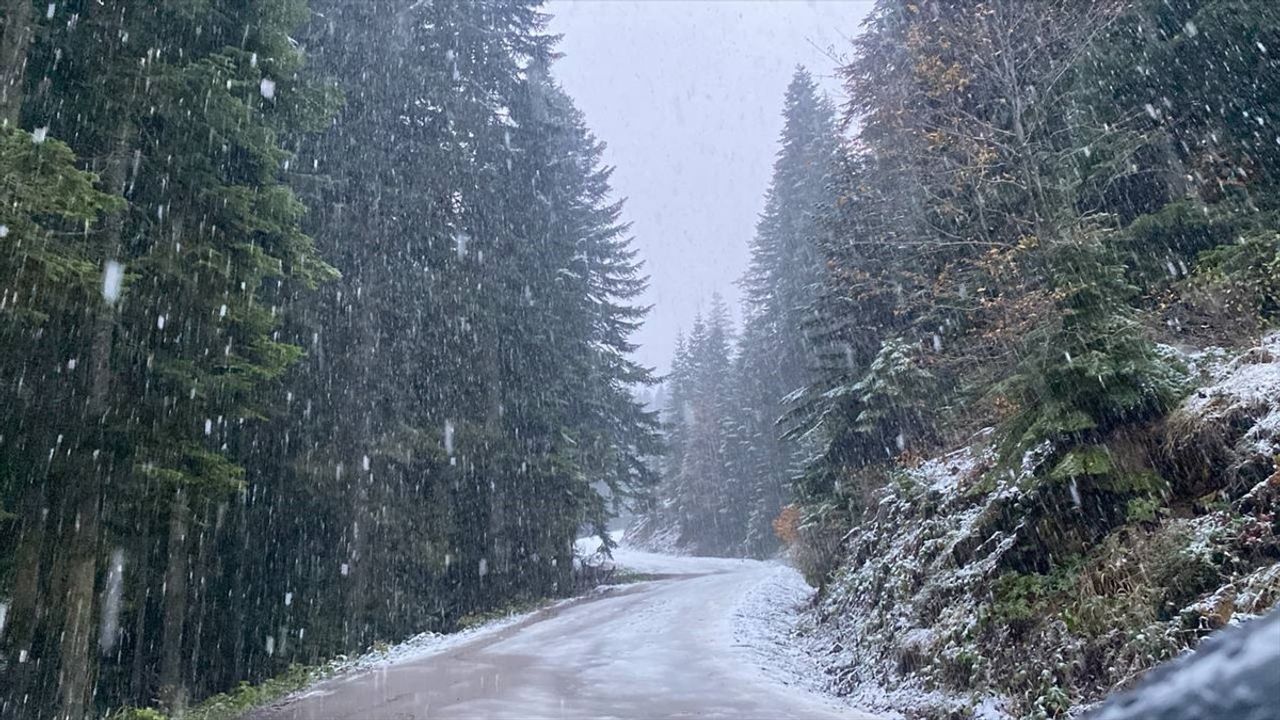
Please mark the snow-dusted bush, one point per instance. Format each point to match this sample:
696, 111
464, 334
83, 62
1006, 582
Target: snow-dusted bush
1227, 434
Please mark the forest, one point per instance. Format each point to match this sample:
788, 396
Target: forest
297, 356
316, 326
1003, 384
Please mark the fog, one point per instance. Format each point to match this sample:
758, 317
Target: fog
688, 97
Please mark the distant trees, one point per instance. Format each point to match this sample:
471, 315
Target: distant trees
728, 469
701, 494
775, 353
298, 357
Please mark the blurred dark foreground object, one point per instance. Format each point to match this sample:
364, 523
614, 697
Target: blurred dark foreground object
1233, 675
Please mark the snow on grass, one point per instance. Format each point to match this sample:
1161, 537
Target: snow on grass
764, 628
901, 612
771, 625
427, 644
900, 618
1234, 421
945, 474
1249, 381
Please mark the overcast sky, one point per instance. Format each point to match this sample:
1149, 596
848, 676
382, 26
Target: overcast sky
688, 97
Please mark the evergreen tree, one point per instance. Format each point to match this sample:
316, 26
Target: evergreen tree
701, 502
775, 354
420, 434
53, 277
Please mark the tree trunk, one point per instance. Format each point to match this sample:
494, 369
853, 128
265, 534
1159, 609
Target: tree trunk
172, 693
23, 615
13, 58
75, 649
85, 491
139, 679
238, 665
203, 547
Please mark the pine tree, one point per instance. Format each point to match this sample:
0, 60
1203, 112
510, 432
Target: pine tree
780, 285
173, 370
1092, 369
50, 273
701, 502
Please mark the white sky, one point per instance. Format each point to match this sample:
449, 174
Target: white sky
688, 96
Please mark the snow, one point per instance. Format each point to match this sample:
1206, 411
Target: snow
109, 624
942, 474
1245, 393
652, 563
765, 625
428, 644
882, 610
699, 645
899, 619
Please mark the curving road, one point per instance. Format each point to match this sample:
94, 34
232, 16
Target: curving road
661, 649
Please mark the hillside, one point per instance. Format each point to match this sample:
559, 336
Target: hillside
961, 588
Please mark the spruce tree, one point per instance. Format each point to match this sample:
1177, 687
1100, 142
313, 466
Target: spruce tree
776, 354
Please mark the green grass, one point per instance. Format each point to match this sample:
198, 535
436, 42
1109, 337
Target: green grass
626, 577
516, 607
247, 696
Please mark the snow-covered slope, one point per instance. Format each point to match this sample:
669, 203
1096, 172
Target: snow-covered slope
967, 590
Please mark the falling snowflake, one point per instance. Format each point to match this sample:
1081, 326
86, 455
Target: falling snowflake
112, 276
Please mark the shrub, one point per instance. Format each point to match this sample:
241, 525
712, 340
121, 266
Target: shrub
1142, 509
816, 553
786, 526
131, 713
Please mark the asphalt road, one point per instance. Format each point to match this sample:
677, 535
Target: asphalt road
661, 649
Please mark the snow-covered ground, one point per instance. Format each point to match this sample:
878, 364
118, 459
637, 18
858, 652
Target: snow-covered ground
651, 563
710, 644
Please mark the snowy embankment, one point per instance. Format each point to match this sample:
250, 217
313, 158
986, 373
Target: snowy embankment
976, 590
427, 644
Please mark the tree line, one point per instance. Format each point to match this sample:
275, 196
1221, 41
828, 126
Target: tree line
315, 333
1026, 209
